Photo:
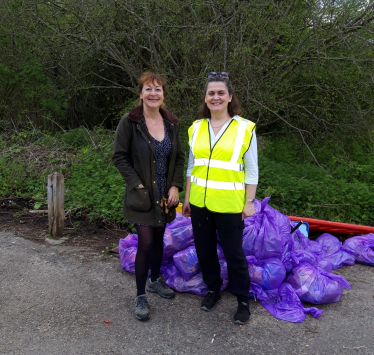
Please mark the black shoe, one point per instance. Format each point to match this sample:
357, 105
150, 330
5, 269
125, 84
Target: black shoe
242, 314
210, 301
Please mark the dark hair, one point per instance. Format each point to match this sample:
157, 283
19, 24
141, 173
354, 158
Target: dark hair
233, 107
151, 77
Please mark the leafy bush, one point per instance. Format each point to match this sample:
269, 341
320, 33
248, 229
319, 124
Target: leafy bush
306, 190
75, 138
96, 185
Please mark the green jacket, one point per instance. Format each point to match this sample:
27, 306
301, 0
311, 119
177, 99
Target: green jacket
134, 156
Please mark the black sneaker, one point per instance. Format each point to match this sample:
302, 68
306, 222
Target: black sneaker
242, 314
210, 301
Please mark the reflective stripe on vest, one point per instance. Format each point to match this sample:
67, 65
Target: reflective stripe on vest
219, 164
239, 140
195, 131
218, 185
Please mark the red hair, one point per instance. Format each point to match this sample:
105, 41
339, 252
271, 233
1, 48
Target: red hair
151, 77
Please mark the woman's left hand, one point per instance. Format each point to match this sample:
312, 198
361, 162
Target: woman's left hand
248, 210
173, 196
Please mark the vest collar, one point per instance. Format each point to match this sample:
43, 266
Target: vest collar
136, 114
236, 118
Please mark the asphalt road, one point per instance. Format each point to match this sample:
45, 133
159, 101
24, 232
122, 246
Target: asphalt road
53, 303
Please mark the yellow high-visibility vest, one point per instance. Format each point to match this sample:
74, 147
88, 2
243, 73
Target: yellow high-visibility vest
217, 178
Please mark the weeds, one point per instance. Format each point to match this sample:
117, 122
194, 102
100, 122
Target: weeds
76, 225
106, 251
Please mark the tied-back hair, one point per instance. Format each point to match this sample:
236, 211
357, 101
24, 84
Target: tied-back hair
233, 107
154, 78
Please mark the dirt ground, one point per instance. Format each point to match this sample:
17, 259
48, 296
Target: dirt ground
100, 237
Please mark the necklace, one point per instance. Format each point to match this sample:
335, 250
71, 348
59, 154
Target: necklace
217, 126
153, 124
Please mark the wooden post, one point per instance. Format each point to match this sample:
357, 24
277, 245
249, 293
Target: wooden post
56, 213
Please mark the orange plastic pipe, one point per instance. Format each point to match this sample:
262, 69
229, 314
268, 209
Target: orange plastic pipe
328, 226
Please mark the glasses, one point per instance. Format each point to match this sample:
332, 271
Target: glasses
213, 74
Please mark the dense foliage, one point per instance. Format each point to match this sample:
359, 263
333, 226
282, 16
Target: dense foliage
94, 185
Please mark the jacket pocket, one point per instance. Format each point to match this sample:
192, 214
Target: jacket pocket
138, 199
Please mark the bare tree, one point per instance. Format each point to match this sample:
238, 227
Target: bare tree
300, 66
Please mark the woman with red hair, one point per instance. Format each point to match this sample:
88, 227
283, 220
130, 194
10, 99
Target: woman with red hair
149, 155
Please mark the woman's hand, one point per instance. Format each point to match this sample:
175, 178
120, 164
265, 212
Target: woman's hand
173, 196
248, 210
186, 209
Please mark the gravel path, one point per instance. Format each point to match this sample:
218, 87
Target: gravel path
53, 303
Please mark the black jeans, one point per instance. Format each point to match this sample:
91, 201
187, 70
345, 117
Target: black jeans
230, 227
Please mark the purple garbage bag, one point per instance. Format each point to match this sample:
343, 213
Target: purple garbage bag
362, 248
195, 285
293, 258
304, 257
187, 262
251, 227
168, 270
257, 292
224, 273
284, 304
268, 273
178, 235
287, 261
220, 253
269, 236
333, 251
130, 241
303, 243
315, 285
127, 257
324, 264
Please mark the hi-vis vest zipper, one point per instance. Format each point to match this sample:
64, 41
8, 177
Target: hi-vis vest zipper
217, 178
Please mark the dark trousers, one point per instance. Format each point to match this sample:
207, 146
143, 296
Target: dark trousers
230, 227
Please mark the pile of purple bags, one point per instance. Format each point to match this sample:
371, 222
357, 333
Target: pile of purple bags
285, 268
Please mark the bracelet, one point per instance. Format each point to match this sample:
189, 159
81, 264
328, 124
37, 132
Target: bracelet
251, 200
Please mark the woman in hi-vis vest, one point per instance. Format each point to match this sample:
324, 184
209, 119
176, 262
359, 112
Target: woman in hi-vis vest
222, 178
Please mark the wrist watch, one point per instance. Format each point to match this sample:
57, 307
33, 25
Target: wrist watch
251, 200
